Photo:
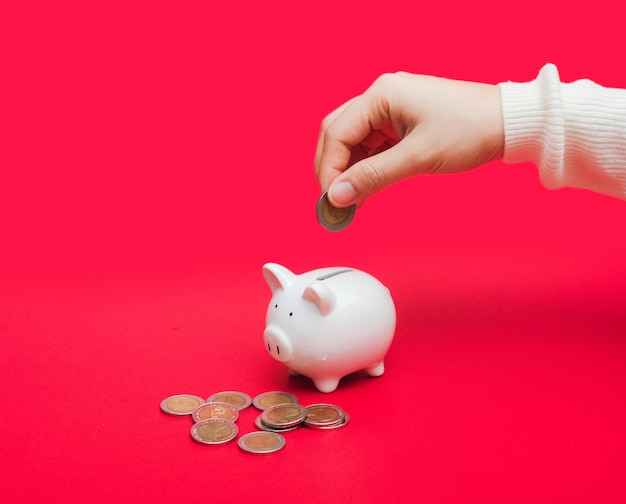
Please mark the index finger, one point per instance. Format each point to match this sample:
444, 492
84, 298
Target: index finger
344, 130
328, 120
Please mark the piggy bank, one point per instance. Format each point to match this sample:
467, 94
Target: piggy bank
328, 323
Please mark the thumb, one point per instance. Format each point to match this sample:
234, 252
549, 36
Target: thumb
374, 173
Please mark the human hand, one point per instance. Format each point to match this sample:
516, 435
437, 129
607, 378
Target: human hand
405, 125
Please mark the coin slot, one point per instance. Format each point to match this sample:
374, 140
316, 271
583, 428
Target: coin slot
332, 274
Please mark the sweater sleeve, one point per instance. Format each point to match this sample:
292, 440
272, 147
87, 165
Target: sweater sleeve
575, 133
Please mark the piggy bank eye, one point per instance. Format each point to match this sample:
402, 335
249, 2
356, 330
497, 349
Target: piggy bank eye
275, 306
290, 314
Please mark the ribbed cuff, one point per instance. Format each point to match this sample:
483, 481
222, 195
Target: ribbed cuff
575, 133
595, 134
534, 124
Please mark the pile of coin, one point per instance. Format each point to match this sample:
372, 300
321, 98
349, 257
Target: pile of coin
325, 417
214, 419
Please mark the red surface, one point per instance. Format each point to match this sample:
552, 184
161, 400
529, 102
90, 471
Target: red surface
154, 157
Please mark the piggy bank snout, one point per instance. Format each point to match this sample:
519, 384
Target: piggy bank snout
277, 343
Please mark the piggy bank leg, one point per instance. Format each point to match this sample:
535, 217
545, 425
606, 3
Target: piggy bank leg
376, 370
326, 385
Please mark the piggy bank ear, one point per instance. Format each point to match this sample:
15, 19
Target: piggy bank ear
321, 296
277, 277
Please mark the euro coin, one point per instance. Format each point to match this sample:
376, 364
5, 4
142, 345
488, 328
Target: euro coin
214, 431
269, 399
323, 415
181, 404
215, 410
258, 422
346, 419
261, 442
239, 400
284, 415
331, 217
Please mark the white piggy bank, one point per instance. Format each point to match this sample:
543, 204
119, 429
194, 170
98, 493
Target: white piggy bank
328, 323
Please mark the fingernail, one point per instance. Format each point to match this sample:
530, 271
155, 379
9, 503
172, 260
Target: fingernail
342, 194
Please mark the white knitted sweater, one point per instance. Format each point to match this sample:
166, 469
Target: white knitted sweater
575, 133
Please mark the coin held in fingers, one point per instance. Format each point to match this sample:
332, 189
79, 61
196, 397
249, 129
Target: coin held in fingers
331, 217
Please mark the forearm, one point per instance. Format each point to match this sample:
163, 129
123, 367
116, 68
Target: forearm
575, 133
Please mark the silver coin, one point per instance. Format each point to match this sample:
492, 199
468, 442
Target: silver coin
239, 400
268, 399
284, 415
261, 442
333, 218
215, 410
181, 404
258, 422
323, 415
214, 431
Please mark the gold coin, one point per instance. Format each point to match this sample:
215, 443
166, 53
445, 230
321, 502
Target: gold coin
269, 399
261, 442
214, 431
331, 217
323, 415
215, 410
346, 419
239, 400
181, 404
284, 415
259, 424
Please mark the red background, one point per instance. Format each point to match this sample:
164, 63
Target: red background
154, 156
